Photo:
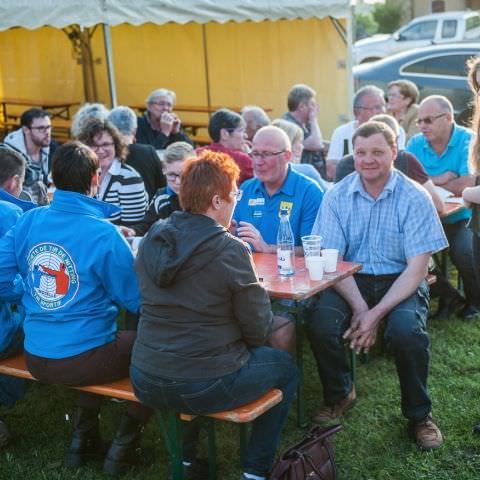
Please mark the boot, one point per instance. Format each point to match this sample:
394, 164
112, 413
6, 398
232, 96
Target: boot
124, 452
86, 441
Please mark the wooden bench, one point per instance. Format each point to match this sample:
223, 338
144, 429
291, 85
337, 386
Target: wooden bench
15, 366
201, 140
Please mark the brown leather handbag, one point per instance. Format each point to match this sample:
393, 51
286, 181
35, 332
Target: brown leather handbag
310, 459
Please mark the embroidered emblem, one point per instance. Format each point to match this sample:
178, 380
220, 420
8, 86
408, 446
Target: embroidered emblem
287, 205
53, 278
253, 202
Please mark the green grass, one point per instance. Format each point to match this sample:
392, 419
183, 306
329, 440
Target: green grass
374, 444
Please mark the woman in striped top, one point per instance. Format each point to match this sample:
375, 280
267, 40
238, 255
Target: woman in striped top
120, 184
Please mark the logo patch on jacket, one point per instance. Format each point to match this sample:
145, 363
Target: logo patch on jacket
53, 278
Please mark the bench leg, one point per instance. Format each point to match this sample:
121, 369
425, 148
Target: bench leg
173, 437
243, 430
212, 448
300, 333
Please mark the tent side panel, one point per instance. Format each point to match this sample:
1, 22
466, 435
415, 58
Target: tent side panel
257, 63
39, 64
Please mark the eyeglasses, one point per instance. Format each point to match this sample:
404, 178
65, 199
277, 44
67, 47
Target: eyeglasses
173, 177
429, 120
102, 146
233, 130
395, 96
263, 155
375, 108
43, 128
237, 194
162, 104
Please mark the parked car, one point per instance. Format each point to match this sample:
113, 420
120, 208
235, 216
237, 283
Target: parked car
436, 70
437, 28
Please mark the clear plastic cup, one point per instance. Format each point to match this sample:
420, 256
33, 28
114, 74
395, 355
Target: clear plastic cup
316, 267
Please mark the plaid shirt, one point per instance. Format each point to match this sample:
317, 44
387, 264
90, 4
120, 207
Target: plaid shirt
381, 233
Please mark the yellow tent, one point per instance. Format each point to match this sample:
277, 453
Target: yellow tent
211, 52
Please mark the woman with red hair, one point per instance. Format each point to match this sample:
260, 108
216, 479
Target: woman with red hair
205, 317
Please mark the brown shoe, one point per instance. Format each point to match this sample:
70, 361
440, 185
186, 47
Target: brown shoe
426, 433
330, 413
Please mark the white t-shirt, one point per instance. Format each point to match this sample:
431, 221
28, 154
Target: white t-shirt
345, 132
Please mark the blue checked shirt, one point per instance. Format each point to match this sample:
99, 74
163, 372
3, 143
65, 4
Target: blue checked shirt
381, 233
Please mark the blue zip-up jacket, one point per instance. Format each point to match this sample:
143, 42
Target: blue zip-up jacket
11, 313
77, 269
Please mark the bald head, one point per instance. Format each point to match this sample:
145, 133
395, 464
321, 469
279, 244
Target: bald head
271, 152
274, 135
443, 104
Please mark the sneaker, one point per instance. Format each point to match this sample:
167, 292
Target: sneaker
330, 413
426, 433
4, 434
197, 470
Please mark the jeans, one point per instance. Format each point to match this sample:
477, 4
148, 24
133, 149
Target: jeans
460, 240
12, 389
266, 368
405, 335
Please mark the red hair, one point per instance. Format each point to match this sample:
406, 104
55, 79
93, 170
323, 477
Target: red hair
209, 174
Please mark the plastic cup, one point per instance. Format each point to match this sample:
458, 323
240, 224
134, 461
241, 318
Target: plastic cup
330, 256
311, 246
316, 267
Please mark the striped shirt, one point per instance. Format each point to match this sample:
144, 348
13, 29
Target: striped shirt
123, 186
382, 233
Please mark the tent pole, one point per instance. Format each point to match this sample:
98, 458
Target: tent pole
111, 74
207, 74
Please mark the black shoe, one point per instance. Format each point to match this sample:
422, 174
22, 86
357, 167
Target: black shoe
124, 452
197, 470
476, 429
449, 307
469, 312
86, 444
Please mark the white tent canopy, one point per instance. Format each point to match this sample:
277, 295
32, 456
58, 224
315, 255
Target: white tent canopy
86, 13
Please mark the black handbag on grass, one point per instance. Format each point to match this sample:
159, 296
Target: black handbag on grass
310, 459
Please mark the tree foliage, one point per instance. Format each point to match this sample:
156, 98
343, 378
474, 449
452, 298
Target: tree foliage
365, 25
387, 15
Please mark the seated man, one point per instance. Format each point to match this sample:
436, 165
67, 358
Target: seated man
205, 317
383, 220
12, 173
78, 273
227, 131
143, 158
442, 148
255, 118
159, 126
303, 111
276, 185
367, 102
34, 141
404, 161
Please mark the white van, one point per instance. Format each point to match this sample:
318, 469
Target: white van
446, 27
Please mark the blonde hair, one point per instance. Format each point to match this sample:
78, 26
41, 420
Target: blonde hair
474, 155
294, 132
177, 152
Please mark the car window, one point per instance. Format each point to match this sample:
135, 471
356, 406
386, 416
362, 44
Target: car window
450, 65
420, 31
449, 28
472, 27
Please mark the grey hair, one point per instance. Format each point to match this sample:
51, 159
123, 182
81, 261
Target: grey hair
161, 92
85, 113
388, 120
365, 91
443, 103
124, 119
259, 115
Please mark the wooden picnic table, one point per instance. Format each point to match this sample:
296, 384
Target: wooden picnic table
195, 108
58, 109
298, 287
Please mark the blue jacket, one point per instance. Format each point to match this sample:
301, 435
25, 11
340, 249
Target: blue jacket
11, 314
77, 269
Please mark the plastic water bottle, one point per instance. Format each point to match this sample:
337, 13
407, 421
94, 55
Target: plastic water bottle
285, 245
